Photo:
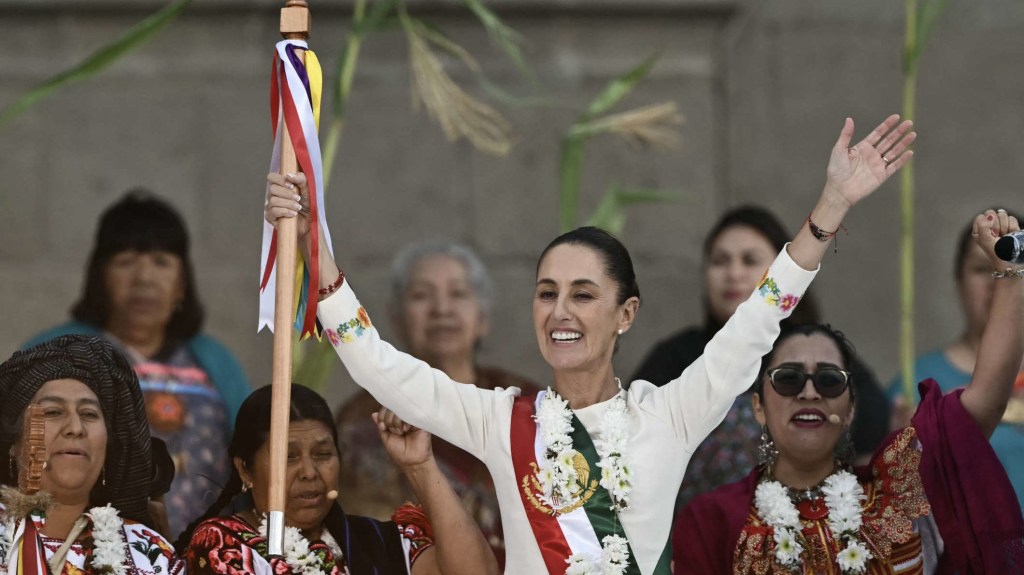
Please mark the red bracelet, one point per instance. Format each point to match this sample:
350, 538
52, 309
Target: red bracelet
334, 286
822, 235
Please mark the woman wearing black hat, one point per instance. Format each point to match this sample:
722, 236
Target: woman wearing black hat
139, 294
91, 514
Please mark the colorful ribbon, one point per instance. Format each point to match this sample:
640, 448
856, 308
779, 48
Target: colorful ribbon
296, 84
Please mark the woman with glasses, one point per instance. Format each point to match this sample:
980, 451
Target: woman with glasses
934, 498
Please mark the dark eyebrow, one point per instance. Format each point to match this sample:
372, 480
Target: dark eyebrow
579, 282
61, 400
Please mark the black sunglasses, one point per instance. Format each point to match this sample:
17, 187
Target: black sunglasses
830, 382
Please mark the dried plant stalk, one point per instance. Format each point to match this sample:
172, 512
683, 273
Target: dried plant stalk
458, 113
651, 126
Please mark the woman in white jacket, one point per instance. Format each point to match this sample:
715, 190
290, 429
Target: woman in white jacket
587, 472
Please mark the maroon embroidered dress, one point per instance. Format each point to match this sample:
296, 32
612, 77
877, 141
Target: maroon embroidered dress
940, 472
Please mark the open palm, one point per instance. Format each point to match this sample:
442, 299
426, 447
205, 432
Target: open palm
857, 171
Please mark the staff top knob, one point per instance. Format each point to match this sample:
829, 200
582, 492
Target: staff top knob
295, 20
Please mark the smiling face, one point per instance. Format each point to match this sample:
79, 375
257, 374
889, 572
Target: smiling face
441, 315
75, 439
313, 467
576, 314
735, 263
799, 425
143, 289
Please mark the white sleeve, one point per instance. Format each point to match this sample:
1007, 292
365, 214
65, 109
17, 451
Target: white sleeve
463, 415
698, 400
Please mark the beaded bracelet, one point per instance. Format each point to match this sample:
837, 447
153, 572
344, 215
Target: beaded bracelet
324, 292
1009, 273
822, 235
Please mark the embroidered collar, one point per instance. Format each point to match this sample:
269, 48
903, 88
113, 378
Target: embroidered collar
107, 538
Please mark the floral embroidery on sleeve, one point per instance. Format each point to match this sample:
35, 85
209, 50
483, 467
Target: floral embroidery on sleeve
769, 290
414, 527
348, 331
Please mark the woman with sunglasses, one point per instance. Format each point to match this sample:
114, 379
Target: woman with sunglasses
934, 498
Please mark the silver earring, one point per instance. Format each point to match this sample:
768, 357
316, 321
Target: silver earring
766, 451
103, 477
245, 487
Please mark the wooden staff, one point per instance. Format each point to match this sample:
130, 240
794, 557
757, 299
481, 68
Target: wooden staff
295, 22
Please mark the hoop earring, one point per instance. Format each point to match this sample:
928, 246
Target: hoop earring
767, 454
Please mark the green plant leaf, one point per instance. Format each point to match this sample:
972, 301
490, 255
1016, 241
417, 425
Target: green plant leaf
619, 88
313, 368
929, 14
504, 36
570, 171
610, 213
100, 59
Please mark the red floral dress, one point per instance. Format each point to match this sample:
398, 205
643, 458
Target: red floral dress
230, 546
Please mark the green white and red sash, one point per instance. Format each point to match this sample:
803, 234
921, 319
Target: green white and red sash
561, 534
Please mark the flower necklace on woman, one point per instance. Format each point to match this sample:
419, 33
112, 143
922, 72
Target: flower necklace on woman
107, 537
562, 473
842, 495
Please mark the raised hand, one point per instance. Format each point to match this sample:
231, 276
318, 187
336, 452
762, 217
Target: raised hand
988, 228
856, 171
288, 197
407, 446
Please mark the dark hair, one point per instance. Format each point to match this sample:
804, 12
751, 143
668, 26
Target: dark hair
142, 222
252, 427
807, 329
963, 243
765, 223
127, 467
617, 263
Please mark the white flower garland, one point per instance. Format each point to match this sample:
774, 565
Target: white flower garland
843, 496
6, 542
296, 550
108, 540
107, 535
558, 477
614, 559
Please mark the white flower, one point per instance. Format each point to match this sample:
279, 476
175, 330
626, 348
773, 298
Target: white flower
580, 564
787, 549
615, 554
108, 550
854, 558
774, 506
296, 550
843, 497
6, 541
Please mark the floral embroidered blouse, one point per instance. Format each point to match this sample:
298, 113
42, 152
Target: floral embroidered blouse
231, 546
146, 552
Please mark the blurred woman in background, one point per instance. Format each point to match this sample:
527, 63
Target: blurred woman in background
140, 295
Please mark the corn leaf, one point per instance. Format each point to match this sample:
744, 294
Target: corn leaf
610, 213
505, 37
100, 59
619, 88
570, 170
927, 14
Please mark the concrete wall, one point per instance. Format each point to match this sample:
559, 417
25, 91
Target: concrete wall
763, 86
